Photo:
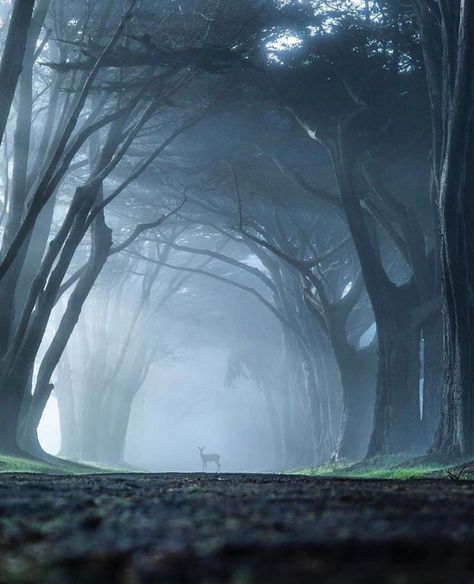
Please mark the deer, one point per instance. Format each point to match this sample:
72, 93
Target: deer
209, 458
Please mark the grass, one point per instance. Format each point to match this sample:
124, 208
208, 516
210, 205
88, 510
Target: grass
392, 467
13, 464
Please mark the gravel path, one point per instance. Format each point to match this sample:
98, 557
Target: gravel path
237, 529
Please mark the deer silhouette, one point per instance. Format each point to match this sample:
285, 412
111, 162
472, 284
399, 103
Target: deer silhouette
209, 458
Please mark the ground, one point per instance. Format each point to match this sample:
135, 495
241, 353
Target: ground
237, 529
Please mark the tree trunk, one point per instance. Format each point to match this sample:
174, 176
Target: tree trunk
66, 409
21, 155
101, 244
12, 57
287, 427
10, 415
29, 423
433, 377
397, 417
448, 43
113, 434
278, 450
358, 369
397, 420
89, 427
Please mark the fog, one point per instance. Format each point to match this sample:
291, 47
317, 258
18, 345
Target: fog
218, 229
182, 407
215, 352
236, 290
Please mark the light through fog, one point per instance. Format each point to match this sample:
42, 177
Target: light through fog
230, 272
189, 273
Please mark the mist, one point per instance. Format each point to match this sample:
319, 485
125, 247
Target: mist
220, 230
236, 291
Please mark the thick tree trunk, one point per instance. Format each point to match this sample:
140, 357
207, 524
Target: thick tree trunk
10, 415
397, 416
358, 369
455, 435
29, 439
448, 41
397, 420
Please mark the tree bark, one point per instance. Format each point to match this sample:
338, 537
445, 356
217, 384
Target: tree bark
397, 420
12, 56
397, 416
448, 46
9, 420
432, 377
357, 369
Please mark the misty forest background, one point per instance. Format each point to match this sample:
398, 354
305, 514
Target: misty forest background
239, 224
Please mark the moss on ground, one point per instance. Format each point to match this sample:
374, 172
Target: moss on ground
13, 464
391, 467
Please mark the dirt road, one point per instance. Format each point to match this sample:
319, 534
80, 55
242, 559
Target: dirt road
237, 529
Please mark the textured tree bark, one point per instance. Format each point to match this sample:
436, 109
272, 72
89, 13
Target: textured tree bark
448, 45
397, 416
455, 435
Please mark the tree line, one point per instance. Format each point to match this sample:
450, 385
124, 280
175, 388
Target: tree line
331, 142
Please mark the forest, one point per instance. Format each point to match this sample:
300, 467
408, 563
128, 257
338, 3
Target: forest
234, 237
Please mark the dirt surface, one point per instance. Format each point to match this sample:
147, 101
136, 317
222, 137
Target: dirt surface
237, 529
